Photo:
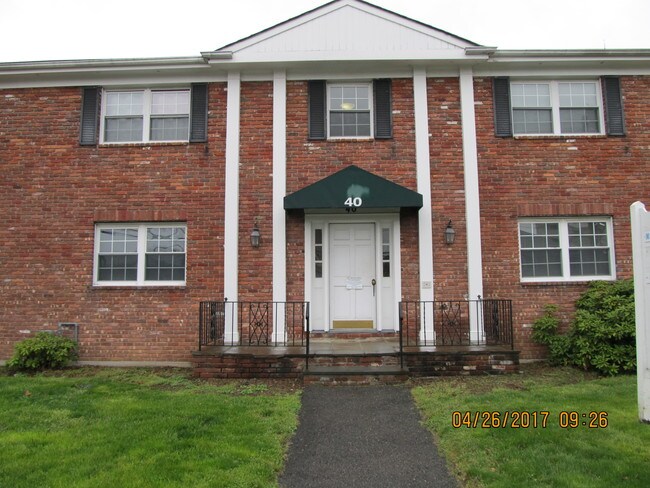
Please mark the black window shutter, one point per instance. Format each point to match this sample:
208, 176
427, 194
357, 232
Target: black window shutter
614, 106
502, 118
199, 113
383, 109
89, 114
317, 107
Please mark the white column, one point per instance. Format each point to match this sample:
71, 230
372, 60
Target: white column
279, 192
231, 219
423, 172
640, 219
472, 203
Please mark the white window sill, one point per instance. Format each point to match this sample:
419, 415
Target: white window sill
144, 144
131, 285
560, 136
568, 281
350, 139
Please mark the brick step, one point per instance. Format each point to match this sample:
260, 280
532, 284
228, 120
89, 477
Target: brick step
354, 360
356, 375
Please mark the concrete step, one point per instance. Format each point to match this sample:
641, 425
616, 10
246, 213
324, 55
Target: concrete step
345, 375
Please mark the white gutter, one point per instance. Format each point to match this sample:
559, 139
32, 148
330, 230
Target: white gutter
83, 64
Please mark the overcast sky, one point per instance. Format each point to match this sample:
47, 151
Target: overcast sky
33, 30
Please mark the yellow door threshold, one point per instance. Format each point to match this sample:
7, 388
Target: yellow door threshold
353, 324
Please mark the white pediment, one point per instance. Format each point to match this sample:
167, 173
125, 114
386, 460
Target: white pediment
348, 30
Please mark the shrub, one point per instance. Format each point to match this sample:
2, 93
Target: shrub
602, 336
604, 328
43, 351
545, 332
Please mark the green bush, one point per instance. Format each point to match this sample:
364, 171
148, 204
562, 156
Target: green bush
43, 351
602, 335
604, 330
545, 332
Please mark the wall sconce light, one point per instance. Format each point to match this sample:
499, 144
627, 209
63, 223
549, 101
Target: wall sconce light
450, 234
255, 236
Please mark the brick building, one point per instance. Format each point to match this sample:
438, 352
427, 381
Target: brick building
353, 142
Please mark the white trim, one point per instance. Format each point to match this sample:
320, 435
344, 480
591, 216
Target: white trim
423, 170
564, 249
307, 265
231, 216
397, 268
472, 201
640, 220
279, 191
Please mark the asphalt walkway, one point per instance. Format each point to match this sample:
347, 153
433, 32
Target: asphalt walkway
362, 436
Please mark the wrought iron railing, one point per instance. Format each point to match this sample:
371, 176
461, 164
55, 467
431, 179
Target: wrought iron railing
225, 323
479, 322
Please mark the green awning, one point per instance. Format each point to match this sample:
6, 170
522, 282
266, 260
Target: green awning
353, 188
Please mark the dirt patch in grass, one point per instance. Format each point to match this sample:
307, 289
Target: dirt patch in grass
530, 374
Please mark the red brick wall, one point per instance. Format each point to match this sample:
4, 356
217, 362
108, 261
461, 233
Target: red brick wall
447, 187
256, 190
55, 190
53, 193
556, 176
310, 161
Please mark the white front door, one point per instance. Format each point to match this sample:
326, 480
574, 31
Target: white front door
352, 276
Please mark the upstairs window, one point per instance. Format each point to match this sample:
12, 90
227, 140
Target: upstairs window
349, 110
146, 116
556, 107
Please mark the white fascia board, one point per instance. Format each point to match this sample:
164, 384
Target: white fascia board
345, 56
116, 81
98, 64
105, 74
554, 54
559, 71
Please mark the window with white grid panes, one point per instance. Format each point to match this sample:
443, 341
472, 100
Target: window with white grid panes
118, 254
140, 254
349, 110
566, 249
145, 116
165, 255
556, 107
578, 108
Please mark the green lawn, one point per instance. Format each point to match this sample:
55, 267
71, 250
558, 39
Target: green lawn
132, 428
615, 455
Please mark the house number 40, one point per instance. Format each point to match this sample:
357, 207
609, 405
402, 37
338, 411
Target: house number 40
353, 202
